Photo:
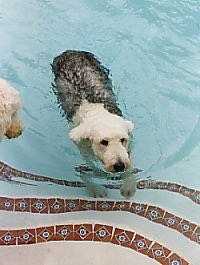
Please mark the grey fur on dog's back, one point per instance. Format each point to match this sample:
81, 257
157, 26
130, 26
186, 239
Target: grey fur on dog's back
80, 76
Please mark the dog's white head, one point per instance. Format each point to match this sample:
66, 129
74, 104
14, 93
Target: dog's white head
109, 136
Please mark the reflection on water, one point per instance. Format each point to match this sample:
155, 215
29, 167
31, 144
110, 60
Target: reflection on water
152, 51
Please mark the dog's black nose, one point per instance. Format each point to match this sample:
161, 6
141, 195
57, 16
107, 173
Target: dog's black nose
118, 167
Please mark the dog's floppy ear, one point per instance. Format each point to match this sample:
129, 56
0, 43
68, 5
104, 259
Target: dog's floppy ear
130, 126
79, 133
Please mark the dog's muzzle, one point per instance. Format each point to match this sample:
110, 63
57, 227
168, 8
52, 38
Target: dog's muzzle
119, 167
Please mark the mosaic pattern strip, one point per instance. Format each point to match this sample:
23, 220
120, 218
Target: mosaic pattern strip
57, 205
89, 232
94, 231
9, 174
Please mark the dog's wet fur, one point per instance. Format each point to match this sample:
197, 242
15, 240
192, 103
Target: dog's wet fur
84, 91
80, 76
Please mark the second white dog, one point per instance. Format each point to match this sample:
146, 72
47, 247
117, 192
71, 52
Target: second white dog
11, 125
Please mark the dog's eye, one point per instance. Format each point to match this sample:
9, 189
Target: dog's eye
104, 142
123, 140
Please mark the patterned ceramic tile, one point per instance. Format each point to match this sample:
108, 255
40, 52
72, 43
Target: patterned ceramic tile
141, 244
22, 205
174, 259
105, 205
8, 237
64, 232
186, 228
72, 205
83, 232
196, 197
56, 205
154, 214
121, 206
39, 205
196, 235
138, 208
87, 205
171, 221
122, 237
26, 236
103, 233
45, 234
7, 204
158, 252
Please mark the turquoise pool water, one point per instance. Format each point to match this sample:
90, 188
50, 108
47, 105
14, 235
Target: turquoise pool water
152, 50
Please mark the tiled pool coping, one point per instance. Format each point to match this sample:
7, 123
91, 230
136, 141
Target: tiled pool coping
89, 232
100, 232
58, 205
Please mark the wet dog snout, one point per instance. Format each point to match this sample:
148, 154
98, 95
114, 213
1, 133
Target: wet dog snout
118, 167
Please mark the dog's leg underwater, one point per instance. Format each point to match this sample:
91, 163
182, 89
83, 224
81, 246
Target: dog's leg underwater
128, 188
95, 190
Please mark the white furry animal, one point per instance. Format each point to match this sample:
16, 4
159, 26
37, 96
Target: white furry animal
10, 124
84, 92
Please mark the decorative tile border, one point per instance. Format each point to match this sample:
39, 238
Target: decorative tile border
96, 232
192, 194
57, 205
8, 174
89, 232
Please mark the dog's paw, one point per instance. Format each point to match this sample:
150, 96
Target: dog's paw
15, 130
13, 133
97, 191
128, 188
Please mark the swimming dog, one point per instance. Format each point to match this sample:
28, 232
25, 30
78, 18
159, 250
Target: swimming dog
84, 92
11, 125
